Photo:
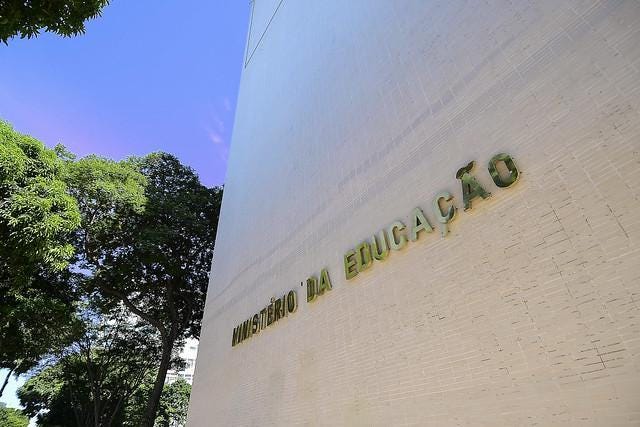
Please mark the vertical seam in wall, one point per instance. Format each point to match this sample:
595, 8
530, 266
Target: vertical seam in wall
263, 33
246, 50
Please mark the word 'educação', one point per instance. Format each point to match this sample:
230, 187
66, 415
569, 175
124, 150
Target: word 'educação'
393, 237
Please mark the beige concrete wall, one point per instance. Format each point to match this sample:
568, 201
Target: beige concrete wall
352, 113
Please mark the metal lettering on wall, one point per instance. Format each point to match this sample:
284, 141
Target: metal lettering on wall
394, 237
504, 173
276, 310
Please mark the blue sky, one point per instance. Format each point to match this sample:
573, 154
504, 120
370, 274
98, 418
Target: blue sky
147, 75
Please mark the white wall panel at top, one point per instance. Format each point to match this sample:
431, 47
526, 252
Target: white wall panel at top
350, 114
261, 15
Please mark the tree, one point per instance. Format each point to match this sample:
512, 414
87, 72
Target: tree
46, 391
10, 417
95, 236
37, 218
150, 252
91, 384
36, 320
63, 17
174, 404
105, 380
36, 213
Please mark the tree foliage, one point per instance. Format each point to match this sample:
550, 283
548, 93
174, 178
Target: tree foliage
92, 382
37, 215
10, 417
174, 404
172, 409
26, 18
109, 193
82, 239
154, 260
37, 320
37, 220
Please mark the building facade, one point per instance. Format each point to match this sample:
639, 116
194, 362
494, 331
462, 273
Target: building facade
431, 217
188, 354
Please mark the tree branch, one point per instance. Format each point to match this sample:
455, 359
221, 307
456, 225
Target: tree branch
131, 306
6, 380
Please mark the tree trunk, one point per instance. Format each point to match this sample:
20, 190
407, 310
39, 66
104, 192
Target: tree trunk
154, 399
6, 380
76, 410
95, 390
115, 411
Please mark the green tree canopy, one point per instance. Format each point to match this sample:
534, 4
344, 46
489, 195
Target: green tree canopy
155, 260
109, 193
94, 235
26, 18
37, 221
93, 381
174, 404
36, 320
10, 417
172, 409
37, 215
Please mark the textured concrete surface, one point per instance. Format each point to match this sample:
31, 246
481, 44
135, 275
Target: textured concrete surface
352, 113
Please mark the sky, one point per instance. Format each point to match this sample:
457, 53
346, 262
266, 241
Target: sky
146, 76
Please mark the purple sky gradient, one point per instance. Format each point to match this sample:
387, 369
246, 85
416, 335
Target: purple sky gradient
147, 75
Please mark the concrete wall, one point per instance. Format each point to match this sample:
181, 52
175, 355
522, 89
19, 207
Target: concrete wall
352, 113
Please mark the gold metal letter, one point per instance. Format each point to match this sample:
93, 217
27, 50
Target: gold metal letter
276, 310
236, 336
396, 243
245, 330
380, 251
363, 256
312, 288
270, 313
263, 318
350, 270
511, 167
325, 282
471, 188
283, 306
418, 223
292, 301
255, 324
242, 332
444, 218
249, 323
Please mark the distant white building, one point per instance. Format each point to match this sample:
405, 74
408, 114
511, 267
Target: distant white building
188, 354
